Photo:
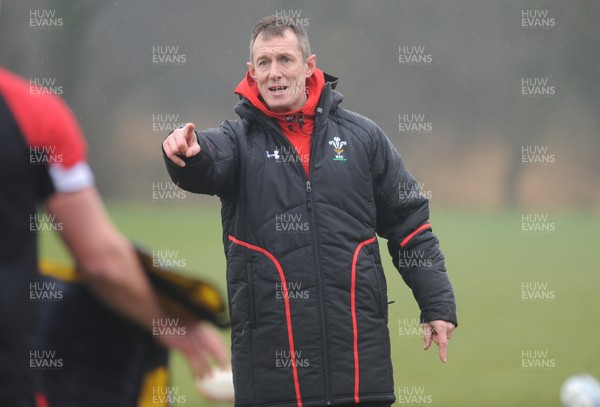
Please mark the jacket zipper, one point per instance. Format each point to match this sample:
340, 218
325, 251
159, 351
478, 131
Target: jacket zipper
318, 262
321, 304
309, 206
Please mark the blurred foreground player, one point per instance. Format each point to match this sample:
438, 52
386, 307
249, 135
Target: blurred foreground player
43, 162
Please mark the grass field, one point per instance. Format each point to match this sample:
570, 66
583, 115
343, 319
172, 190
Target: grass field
490, 261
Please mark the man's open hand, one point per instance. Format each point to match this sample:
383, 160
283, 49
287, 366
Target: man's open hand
438, 332
182, 142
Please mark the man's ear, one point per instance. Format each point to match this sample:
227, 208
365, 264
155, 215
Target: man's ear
251, 70
311, 64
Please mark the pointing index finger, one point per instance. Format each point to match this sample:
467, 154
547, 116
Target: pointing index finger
188, 130
442, 341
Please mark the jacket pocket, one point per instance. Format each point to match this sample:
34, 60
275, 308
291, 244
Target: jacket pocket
380, 295
243, 347
251, 302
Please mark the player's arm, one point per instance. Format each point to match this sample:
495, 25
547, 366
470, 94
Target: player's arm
110, 267
403, 219
104, 257
202, 162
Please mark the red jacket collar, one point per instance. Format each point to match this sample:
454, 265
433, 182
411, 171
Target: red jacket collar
248, 89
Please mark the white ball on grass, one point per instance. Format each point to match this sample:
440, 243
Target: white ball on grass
581, 390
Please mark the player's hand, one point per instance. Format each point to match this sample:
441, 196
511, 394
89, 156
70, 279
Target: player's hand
182, 142
438, 332
201, 344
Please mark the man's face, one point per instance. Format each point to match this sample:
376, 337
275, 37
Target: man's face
279, 71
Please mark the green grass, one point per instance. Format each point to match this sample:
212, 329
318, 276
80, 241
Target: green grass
488, 258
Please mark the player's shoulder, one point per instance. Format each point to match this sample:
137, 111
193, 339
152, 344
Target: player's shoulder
44, 119
39, 103
10, 81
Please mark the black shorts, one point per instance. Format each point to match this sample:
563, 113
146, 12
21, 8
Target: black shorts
18, 321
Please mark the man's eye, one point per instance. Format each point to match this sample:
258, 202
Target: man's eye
286, 59
262, 63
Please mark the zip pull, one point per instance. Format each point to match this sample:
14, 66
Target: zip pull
308, 190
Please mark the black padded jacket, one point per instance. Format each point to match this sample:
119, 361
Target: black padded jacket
306, 289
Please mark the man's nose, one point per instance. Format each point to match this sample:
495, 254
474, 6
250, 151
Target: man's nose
274, 71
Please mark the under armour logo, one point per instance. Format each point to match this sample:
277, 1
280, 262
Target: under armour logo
274, 155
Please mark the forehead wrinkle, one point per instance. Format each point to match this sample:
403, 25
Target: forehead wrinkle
267, 51
277, 42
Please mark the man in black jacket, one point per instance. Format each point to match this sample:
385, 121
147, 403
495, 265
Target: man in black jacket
305, 187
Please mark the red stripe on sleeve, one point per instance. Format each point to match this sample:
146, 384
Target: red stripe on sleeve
414, 233
41, 400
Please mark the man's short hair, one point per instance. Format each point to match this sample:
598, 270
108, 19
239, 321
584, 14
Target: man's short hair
271, 26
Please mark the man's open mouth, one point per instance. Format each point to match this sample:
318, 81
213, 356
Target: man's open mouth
279, 88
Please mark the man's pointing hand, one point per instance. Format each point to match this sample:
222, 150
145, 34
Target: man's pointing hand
182, 143
439, 332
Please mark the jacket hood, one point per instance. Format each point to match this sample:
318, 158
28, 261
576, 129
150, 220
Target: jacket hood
316, 84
